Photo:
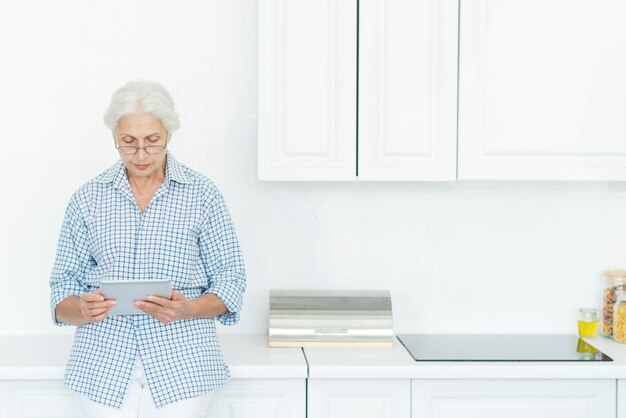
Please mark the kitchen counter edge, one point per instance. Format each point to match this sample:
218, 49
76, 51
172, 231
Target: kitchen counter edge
249, 357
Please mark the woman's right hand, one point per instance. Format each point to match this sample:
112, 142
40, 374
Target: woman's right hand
93, 307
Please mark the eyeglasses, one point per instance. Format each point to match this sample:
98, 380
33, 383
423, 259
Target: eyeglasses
132, 150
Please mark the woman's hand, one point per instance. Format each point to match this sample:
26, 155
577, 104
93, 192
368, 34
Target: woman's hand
165, 310
93, 307
84, 309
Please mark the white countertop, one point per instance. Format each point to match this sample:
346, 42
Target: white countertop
397, 363
44, 357
249, 357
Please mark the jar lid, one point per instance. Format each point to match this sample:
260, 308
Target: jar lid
615, 273
588, 314
588, 310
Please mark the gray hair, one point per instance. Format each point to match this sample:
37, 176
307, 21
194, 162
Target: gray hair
149, 96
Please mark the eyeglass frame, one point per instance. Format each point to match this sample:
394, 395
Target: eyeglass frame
118, 147
145, 149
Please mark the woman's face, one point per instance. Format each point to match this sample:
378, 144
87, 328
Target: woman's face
141, 130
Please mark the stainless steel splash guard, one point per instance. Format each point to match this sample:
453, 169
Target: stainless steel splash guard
330, 318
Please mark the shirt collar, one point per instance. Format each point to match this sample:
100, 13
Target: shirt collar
175, 170
117, 173
113, 174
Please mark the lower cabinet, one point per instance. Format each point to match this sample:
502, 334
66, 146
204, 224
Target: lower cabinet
36, 399
260, 398
238, 398
363, 398
359, 398
621, 398
448, 398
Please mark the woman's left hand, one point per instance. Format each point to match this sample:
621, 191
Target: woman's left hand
165, 310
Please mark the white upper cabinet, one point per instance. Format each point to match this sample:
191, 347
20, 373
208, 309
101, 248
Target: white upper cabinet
542, 90
540, 93
307, 89
407, 89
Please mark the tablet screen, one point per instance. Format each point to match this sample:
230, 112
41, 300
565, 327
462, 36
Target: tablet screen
126, 292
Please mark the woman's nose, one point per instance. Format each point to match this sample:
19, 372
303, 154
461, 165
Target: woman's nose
141, 153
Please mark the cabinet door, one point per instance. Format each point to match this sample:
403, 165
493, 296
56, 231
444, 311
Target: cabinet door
541, 90
307, 89
260, 398
621, 398
514, 398
33, 398
407, 89
366, 398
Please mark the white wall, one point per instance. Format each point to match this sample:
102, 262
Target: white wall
457, 257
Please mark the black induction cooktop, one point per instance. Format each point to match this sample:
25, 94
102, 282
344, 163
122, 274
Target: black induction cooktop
500, 347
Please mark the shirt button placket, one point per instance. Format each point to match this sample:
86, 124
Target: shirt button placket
141, 254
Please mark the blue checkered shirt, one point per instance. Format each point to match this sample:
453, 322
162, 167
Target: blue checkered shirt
186, 235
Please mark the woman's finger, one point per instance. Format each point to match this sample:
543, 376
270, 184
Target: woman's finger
92, 297
97, 312
158, 313
99, 305
159, 300
100, 317
163, 319
147, 307
176, 295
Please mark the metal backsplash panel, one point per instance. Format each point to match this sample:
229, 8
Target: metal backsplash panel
330, 318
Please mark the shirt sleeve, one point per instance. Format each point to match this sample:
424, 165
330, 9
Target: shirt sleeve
71, 261
222, 260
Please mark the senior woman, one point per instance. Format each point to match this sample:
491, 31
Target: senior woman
146, 217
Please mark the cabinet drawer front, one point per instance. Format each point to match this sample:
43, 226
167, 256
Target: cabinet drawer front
351, 398
514, 398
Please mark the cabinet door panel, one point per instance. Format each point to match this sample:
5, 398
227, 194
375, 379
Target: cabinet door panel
307, 89
367, 398
407, 89
514, 398
32, 399
541, 90
260, 398
621, 398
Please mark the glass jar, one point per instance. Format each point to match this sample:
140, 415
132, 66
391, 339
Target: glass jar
614, 283
619, 319
588, 322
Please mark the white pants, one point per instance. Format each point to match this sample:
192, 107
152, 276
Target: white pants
138, 403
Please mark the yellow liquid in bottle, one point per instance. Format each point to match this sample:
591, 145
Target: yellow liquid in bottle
587, 329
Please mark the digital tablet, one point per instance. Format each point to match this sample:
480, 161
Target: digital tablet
126, 292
